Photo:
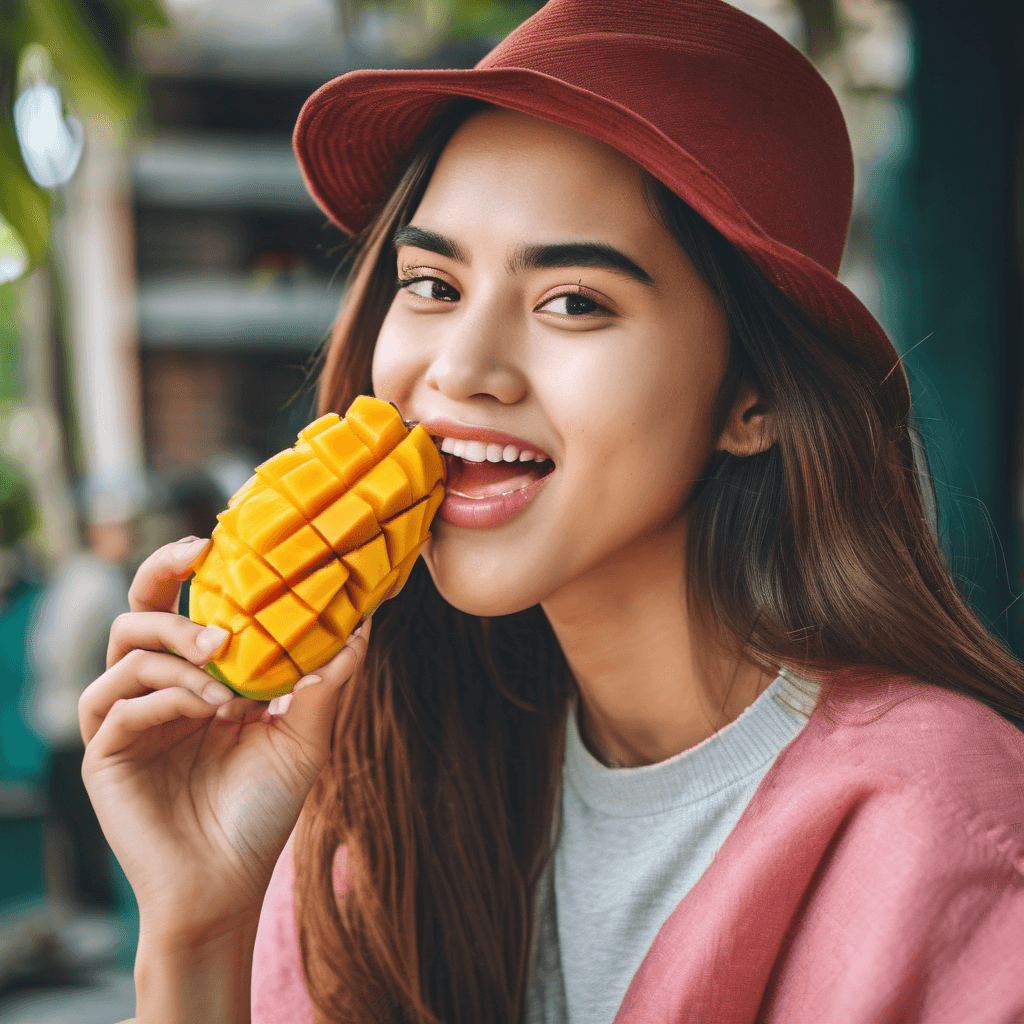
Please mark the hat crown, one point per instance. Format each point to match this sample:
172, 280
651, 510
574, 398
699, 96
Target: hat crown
719, 84
710, 101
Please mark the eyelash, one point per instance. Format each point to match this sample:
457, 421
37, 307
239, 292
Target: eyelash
404, 282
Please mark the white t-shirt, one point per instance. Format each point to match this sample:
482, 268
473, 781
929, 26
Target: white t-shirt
631, 844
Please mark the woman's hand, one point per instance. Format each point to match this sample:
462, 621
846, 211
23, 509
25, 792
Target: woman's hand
197, 789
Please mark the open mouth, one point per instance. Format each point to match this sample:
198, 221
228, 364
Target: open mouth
471, 479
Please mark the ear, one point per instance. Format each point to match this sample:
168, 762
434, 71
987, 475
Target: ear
747, 431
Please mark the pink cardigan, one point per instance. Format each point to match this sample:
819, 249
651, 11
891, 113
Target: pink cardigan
876, 877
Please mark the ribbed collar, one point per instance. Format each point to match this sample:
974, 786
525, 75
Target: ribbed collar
728, 756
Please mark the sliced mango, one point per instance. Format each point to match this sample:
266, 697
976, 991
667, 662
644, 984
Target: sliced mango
287, 619
385, 489
341, 616
367, 565
319, 425
279, 465
318, 589
405, 530
297, 555
249, 654
250, 582
419, 459
347, 524
377, 424
315, 648
340, 449
313, 542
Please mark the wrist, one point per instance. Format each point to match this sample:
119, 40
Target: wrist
185, 980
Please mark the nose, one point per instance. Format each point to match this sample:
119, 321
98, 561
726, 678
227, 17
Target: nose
478, 357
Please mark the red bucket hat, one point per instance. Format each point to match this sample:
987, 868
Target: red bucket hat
730, 116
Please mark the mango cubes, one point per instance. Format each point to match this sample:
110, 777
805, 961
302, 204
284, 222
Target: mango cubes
314, 542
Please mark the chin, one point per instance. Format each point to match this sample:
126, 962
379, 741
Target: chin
478, 586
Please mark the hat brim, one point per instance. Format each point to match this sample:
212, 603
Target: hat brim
354, 134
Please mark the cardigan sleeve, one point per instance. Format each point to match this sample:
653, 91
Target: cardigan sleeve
928, 930
279, 993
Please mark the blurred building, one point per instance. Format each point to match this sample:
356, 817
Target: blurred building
238, 270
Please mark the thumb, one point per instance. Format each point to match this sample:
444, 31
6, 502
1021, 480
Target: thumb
313, 703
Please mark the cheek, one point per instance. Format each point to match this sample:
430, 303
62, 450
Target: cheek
622, 489
394, 366
642, 439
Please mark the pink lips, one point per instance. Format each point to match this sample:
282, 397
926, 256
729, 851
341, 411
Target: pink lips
464, 432
462, 510
494, 509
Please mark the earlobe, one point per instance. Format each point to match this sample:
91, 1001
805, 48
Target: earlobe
748, 429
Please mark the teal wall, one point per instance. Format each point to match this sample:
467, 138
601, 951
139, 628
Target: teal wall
947, 234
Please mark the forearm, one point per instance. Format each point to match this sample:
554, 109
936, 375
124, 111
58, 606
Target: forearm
177, 983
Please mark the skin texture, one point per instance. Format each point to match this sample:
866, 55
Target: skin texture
617, 388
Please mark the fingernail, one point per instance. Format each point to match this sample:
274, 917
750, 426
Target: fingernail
211, 639
279, 705
189, 548
217, 694
306, 681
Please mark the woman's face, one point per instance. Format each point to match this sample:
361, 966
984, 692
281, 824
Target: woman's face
545, 301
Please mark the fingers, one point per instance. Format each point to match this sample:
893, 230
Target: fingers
140, 673
314, 701
164, 631
129, 719
157, 584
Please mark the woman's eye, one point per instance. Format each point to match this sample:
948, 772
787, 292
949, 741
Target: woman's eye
429, 288
572, 304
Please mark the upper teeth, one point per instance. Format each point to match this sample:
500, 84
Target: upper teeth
477, 451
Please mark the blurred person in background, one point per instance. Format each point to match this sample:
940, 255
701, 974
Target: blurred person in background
22, 749
27, 927
84, 595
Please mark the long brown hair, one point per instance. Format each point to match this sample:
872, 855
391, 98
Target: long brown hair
816, 553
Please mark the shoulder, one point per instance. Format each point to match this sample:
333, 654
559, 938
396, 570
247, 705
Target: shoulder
877, 874
909, 801
921, 755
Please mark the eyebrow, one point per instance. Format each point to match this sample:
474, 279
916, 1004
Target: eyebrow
537, 256
432, 241
578, 254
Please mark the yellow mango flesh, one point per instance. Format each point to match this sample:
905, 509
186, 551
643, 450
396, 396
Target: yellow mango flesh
313, 542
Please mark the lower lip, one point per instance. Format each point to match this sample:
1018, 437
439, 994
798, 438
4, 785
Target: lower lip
480, 513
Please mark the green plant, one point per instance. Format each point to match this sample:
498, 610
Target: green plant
82, 43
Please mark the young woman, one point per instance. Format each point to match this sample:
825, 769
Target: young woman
681, 717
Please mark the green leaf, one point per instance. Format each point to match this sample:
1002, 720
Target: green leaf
94, 83
10, 351
23, 204
475, 18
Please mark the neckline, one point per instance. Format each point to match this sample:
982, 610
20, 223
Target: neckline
727, 757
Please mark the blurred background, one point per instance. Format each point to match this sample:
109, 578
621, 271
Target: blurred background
165, 283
